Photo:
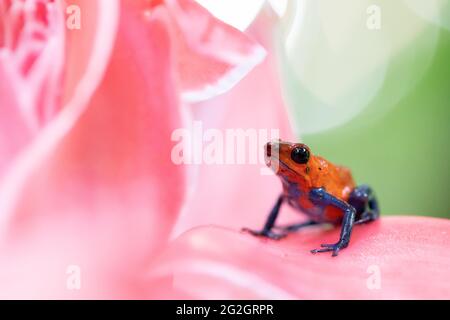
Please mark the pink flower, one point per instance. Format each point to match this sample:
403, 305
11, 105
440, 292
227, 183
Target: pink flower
93, 186
89, 195
31, 68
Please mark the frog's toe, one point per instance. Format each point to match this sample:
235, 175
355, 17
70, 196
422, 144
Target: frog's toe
329, 247
275, 236
265, 233
335, 251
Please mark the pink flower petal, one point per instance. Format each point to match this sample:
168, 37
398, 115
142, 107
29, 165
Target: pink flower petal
212, 56
31, 67
72, 259
89, 49
236, 194
11, 119
109, 184
32, 44
115, 160
100, 24
88, 54
394, 258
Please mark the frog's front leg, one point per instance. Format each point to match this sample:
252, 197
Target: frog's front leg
270, 222
321, 197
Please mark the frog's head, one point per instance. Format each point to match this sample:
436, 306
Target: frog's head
288, 160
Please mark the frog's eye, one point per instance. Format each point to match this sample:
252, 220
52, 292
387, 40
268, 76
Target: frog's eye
300, 155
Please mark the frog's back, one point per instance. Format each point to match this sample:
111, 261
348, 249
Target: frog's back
336, 180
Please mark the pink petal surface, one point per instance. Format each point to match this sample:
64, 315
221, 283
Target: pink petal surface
236, 193
212, 56
410, 253
89, 52
31, 68
11, 120
40, 265
106, 197
32, 45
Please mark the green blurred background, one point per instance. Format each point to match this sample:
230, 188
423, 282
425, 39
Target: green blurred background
397, 141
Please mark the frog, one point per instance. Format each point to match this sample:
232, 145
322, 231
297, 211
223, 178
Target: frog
326, 193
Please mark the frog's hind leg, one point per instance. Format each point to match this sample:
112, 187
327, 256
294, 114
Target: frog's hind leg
363, 199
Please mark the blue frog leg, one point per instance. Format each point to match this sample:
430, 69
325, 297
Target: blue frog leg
270, 222
319, 196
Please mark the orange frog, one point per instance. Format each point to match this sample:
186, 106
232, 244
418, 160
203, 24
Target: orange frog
325, 192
